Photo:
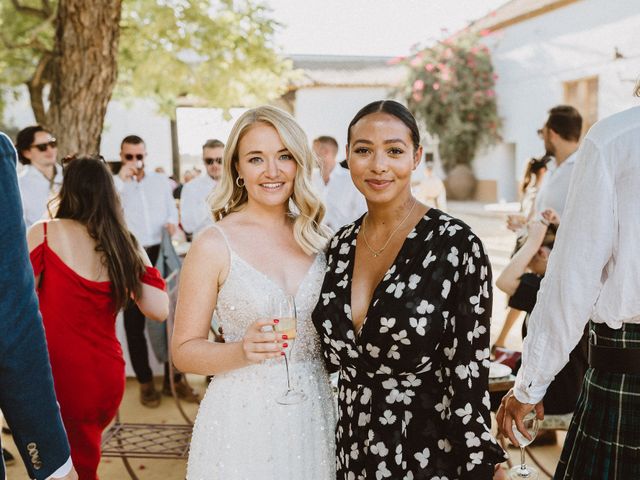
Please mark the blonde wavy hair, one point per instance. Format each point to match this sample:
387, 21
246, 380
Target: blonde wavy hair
309, 210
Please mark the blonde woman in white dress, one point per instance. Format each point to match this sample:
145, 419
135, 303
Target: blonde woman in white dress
257, 250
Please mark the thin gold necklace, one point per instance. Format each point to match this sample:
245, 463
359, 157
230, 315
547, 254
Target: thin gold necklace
374, 252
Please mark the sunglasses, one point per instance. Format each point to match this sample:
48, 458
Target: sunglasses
211, 161
43, 146
130, 156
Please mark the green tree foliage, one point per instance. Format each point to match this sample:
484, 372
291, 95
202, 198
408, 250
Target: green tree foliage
220, 54
216, 52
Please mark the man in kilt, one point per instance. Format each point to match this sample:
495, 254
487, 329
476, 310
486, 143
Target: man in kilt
593, 276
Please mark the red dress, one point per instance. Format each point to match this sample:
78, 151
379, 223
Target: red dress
86, 357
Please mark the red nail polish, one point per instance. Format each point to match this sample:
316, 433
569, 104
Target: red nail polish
285, 345
275, 320
285, 337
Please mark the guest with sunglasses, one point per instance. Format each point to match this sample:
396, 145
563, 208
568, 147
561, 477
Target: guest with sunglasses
41, 178
194, 211
149, 209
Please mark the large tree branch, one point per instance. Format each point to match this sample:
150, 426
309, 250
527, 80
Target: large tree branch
43, 12
36, 86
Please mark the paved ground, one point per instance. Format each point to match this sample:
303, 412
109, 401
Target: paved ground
498, 242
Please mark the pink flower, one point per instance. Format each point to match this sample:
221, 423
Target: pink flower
418, 85
429, 67
436, 86
485, 32
415, 61
441, 66
496, 76
490, 93
396, 60
417, 96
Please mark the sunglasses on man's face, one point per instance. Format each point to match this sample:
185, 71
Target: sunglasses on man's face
130, 156
211, 161
43, 146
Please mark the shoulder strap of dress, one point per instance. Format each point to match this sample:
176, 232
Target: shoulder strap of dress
224, 236
44, 225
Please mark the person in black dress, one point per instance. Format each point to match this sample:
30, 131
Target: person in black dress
404, 317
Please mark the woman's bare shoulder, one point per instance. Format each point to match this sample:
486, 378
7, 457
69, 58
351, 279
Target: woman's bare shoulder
209, 247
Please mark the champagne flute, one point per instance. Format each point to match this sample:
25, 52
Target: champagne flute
531, 423
283, 308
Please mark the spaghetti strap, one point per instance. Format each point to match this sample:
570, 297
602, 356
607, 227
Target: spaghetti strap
44, 225
224, 236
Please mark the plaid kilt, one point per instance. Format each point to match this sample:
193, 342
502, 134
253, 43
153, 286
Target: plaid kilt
603, 441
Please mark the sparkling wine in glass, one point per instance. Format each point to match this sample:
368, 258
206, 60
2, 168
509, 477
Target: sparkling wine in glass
283, 308
531, 423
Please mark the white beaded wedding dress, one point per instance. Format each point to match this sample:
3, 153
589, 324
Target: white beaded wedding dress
241, 433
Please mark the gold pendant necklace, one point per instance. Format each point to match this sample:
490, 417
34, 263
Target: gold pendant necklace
374, 252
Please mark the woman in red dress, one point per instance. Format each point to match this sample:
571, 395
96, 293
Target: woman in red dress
87, 267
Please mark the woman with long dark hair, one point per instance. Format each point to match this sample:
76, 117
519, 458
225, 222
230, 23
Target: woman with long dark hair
87, 267
404, 318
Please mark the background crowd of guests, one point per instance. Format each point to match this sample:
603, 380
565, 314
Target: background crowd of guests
398, 301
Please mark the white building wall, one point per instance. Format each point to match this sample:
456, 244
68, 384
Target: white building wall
328, 110
533, 59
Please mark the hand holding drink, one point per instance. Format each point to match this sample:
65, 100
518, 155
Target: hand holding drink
283, 311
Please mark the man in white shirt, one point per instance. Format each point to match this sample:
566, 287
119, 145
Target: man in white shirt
195, 213
41, 178
593, 274
149, 208
561, 136
343, 201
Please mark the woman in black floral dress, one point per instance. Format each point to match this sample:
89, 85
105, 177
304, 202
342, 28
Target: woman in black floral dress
404, 316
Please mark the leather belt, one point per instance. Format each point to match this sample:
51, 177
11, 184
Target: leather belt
614, 359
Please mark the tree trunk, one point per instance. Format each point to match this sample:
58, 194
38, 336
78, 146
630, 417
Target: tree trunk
83, 72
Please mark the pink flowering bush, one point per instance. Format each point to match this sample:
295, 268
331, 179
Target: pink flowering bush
451, 89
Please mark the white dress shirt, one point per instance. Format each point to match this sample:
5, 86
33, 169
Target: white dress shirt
594, 268
148, 205
195, 213
343, 200
555, 186
63, 470
36, 190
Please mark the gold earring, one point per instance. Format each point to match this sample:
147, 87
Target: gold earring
238, 180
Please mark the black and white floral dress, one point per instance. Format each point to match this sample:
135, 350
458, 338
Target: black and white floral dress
413, 401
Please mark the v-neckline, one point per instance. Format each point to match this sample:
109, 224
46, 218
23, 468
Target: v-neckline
271, 280
351, 268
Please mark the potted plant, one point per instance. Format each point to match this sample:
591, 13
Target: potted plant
451, 88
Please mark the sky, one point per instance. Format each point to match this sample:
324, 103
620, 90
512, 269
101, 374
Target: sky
370, 27
344, 27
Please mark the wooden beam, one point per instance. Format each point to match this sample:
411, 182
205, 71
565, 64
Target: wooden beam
531, 14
